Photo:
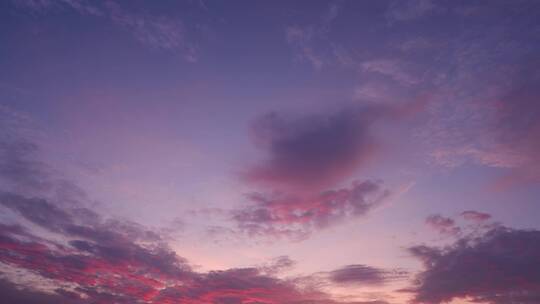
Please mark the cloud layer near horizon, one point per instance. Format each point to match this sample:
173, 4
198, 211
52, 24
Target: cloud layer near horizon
494, 267
99, 261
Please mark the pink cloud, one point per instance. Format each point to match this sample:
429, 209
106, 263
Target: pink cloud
443, 225
475, 216
283, 215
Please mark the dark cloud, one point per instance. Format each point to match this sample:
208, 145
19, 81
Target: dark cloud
365, 275
277, 265
443, 225
293, 216
496, 267
244, 285
313, 153
108, 240
14, 294
37, 211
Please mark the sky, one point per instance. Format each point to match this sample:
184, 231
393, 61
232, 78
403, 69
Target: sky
269, 152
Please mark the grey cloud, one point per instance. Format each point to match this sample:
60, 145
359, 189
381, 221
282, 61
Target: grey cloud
496, 267
365, 275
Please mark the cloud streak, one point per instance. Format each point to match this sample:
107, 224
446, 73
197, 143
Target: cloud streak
365, 275
167, 33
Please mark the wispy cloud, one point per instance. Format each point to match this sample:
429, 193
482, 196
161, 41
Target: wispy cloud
310, 42
393, 69
164, 32
410, 10
443, 225
365, 275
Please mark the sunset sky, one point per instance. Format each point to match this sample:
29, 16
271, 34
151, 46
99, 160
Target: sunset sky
269, 152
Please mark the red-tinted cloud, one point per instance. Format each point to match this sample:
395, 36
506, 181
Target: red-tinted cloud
297, 216
307, 158
121, 263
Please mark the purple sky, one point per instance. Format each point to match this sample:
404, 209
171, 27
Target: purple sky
269, 152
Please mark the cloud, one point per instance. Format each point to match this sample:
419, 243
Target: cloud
297, 217
496, 267
393, 69
108, 242
409, 10
365, 275
104, 273
475, 216
310, 42
43, 6
111, 263
18, 167
14, 294
167, 33
300, 40
307, 160
503, 134
277, 265
315, 152
485, 77
516, 128
158, 32
443, 225
22, 170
